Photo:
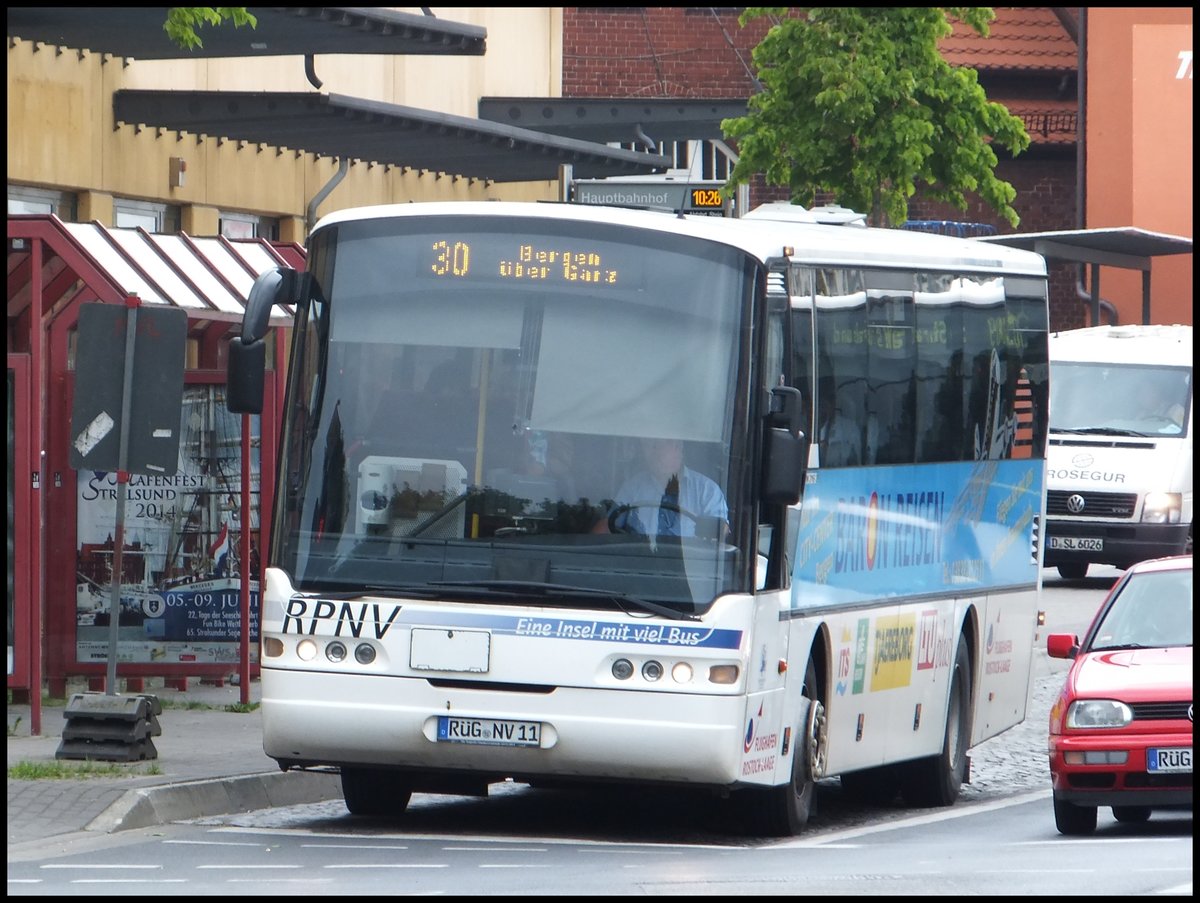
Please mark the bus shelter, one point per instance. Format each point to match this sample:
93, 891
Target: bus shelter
183, 530
1125, 247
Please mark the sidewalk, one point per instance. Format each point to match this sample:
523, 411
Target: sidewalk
210, 762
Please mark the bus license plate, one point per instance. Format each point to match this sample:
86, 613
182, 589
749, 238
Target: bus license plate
488, 731
1172, 761
1077, 543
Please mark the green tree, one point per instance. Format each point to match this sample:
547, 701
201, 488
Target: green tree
860, 102
184, 21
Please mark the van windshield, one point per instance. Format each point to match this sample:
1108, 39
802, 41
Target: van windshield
1121, 400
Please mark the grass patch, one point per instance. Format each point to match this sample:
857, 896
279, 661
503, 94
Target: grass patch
193, 706
57, 770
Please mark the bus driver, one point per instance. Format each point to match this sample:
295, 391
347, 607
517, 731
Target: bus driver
666, 497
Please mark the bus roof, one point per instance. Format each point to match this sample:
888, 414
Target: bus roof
763, 237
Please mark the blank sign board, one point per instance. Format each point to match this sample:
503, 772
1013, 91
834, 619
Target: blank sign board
158, 350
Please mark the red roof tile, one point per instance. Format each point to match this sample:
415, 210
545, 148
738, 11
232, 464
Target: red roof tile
1020, 38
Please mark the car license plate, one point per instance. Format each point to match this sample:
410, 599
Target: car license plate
1077, 543
489, 731
1169, 761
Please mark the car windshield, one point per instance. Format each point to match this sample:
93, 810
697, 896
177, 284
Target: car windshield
1119, 400
1153, 609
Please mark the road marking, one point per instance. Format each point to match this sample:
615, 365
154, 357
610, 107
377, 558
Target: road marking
94, 865
129, 881
388, 865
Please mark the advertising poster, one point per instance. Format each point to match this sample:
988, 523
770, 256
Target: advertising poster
180, 595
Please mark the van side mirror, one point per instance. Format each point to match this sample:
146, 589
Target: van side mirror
246, 371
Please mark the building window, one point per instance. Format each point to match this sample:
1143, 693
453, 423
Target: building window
39, 200
158, 218
248, 225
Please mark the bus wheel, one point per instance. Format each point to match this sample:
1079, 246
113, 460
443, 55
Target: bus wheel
373, 791
937, 780
1073, 570
785, 810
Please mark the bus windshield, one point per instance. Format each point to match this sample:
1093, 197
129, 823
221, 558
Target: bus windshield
478, 403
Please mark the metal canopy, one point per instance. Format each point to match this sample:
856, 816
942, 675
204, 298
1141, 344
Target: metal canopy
615, 119
1126, 247
334, 125
137, 32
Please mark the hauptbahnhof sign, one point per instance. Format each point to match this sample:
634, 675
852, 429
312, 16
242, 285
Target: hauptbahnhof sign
696, 197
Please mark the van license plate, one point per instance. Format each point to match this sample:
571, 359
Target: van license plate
1077, 543
1169, 761
489, 731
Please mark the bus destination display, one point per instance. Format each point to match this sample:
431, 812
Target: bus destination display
522, 262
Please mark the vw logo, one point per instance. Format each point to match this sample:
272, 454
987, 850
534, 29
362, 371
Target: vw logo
1075, 503
1083, 459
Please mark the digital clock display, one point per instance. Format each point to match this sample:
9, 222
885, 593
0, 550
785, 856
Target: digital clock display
708, 198
544, 260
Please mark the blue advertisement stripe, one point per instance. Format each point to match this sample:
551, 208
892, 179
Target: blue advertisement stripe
958, 527
655, 633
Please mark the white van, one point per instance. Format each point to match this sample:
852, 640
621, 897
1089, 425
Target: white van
1119, 458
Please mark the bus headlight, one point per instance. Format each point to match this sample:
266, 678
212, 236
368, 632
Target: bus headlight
364, 653
622, 669
681, 673
306, 650
1162, 508
723, 674
652, 670
335, 651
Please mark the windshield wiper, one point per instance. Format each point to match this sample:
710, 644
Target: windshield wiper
520, 587
1099, 431
386, 592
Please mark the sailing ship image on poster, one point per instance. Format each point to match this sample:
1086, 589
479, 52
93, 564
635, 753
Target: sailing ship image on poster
180, 586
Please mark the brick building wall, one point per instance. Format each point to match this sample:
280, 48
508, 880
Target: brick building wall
697, 53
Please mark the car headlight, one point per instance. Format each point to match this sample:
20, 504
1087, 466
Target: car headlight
1162, 508
1094, 713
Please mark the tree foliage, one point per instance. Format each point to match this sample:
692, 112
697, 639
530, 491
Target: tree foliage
860, 102
183, 22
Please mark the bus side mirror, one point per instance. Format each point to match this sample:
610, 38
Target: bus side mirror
246, 370
785, 448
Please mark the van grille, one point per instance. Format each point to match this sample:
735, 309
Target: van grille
1095, 504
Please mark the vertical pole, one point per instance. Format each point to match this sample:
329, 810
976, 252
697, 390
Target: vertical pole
35, 514
244, 567
114, 608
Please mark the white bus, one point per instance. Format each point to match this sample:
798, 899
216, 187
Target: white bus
1119, 460
458, 591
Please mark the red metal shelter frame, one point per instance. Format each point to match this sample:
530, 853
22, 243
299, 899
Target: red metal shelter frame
50, 274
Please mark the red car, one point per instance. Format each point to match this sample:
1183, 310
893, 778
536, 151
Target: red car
1121, 729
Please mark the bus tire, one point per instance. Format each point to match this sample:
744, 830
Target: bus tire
937, 780
785, 810
375, 792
